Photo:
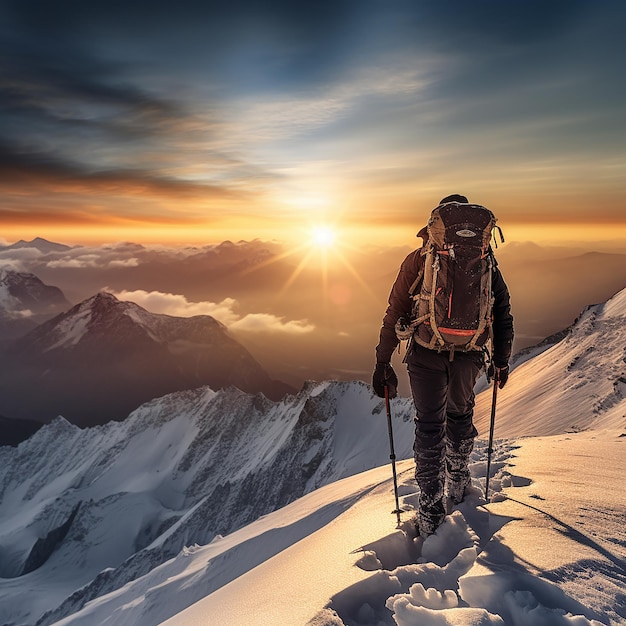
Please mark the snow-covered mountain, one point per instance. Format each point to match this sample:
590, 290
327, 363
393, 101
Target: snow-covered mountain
104, 357
106, 524
25, 302
86, 511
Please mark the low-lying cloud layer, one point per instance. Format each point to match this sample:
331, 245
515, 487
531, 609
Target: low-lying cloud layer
224, 311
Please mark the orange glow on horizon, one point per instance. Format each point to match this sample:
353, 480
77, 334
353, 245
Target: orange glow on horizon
293, 233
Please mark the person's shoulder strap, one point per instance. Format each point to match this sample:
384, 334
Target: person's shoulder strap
419, 269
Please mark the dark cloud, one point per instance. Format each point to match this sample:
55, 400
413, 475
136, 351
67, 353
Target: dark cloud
234, 40
486, 23
18, 167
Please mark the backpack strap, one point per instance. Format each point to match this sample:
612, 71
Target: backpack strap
416, 285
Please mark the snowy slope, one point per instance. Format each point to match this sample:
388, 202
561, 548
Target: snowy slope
540, 555
577, 384
527, 560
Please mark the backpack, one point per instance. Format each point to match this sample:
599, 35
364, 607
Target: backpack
452, 308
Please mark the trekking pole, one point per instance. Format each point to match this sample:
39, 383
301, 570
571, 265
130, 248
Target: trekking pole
491, 428
392, 455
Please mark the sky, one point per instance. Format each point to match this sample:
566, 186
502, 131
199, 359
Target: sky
194, 122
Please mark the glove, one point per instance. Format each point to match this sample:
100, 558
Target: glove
500, 374
384, 376
404, 328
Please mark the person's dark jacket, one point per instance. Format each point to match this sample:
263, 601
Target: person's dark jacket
401, 303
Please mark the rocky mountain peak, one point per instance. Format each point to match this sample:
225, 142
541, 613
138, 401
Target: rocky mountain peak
104, 357
101, 305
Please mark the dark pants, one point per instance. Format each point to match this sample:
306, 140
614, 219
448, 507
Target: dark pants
443, 392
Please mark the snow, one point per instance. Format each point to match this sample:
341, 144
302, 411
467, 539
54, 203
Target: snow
616, 306
72, 329
577, 384
549, 548
547, 552
176, 472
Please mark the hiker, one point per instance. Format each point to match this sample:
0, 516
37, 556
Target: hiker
442, 368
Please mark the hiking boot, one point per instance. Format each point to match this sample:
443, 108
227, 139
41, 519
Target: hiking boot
430, 517
458, 476
456, 489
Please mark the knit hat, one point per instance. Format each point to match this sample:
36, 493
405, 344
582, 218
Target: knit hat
455, 197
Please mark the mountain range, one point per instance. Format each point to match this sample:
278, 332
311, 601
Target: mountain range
104, 357
96, 513
180, 470
38, 243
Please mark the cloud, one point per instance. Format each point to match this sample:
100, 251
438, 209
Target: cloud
124, 263
18, 258
19, 313
224, 311
178, 305
12, 264
47, 168
25, 253
92, 260
82, 261
264, 322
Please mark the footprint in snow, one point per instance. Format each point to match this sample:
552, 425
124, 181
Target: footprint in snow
420, 582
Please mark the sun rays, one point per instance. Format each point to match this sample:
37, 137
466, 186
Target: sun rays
322, 250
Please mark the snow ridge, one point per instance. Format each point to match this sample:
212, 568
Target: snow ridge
577, 384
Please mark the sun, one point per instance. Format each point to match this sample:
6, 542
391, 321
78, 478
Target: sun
323, 237
320, 247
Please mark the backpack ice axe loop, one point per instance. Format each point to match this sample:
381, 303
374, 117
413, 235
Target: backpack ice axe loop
392, 454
